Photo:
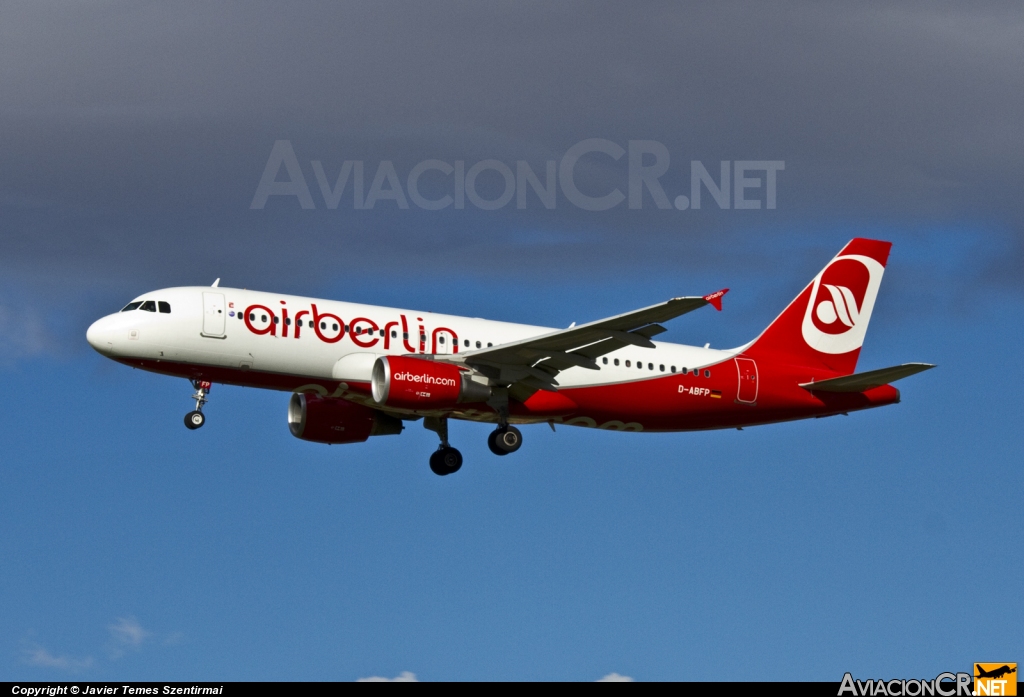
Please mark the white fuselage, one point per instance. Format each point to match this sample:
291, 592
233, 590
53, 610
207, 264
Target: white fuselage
206, 326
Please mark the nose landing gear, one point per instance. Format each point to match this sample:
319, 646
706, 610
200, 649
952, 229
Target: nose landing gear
195, 419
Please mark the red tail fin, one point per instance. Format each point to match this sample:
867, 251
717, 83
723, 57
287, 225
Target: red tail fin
826, 324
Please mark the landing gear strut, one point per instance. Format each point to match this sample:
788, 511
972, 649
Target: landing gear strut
504, 439
446, 459
195, 419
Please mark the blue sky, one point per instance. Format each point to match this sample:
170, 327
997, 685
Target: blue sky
132, 139
876, 543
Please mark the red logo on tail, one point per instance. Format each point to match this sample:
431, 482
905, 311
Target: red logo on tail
840, 297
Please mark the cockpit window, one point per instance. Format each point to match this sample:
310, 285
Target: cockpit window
148, 306
164, 307
131, 306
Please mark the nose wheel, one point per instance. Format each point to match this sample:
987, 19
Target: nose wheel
195, 419
505, 440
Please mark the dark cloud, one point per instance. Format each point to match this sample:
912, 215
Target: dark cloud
133, 135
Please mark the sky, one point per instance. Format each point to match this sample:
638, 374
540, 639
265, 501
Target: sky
134, 137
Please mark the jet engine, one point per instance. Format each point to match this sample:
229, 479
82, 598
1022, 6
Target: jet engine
326, 420
415, 383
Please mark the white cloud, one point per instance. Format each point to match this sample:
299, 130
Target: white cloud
38, 656
615, 677
126, 633
404, 676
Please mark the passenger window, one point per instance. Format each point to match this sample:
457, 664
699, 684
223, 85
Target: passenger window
489, 344
394, 334
334, 327
661, 368
275, 319
323, 325
441, 338
148, 306
616, 361
478, 344
288, 321
684, 370
707, 373
629, 364
605, 360
650, 366
310, 324
673, 369
164, 307
263, 318
465, 342
131, 306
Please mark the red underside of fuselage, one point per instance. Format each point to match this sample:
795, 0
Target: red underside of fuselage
672, 402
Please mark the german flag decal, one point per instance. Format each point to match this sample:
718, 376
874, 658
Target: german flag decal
716, 394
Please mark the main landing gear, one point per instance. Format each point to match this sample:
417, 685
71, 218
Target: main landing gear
504, 440
195, 419
446, 459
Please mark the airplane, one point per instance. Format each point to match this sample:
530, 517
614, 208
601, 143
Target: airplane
996, 673
356, 371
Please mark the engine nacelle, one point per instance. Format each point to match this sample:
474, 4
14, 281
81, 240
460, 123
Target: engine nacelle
414, 383
326, 420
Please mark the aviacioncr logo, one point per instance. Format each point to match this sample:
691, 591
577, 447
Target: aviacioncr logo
842, 297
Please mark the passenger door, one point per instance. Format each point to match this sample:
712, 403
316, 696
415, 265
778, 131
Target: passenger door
213, 315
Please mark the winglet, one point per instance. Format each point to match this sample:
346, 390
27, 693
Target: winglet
716, 298
215, 283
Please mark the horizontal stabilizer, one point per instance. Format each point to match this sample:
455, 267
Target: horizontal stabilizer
861, 382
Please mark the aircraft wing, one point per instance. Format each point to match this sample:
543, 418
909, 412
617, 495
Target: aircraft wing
860, 382
535, 362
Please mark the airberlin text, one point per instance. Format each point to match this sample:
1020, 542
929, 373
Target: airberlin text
490, 185
363, 331
944, 685
425, 379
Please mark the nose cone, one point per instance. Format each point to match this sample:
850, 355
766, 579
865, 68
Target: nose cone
99, 336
